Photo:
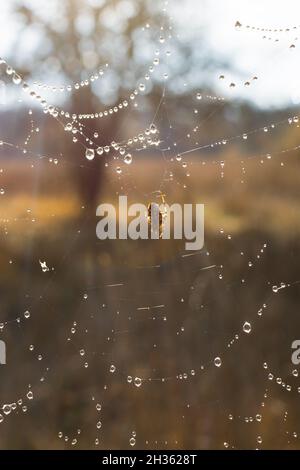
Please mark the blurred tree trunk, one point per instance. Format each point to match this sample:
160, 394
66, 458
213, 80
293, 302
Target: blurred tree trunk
89, 175
89, 179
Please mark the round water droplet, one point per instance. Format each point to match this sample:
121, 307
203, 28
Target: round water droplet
153, 129
68, 127
247, 327
137, 381
217, 362
90, 154
128, 158
16, 79
6, 409
30, 395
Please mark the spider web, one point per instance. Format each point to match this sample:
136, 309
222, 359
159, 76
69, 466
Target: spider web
129, 344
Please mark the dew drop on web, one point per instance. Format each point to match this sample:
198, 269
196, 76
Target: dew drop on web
247, 327
217, 361
89, 154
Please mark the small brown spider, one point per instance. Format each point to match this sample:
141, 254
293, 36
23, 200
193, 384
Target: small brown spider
156, 206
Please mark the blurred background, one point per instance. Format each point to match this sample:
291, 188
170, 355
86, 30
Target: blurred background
117, 340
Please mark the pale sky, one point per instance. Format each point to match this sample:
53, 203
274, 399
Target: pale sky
274, 63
